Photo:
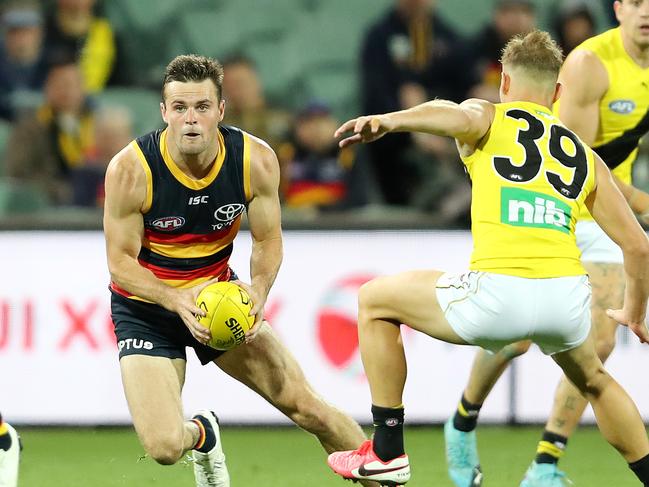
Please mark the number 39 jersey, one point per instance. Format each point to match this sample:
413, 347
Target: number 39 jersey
531, 176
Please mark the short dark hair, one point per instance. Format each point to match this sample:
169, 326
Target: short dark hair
192, 67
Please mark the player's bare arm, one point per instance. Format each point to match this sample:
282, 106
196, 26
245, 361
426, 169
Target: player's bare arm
264, 218
584, 82
124, 229
612, 213
467, 122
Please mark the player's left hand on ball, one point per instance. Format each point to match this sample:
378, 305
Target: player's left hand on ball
257, 310
639, 328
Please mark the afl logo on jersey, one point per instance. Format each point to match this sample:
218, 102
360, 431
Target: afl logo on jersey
168, 223
623, 107
227, 213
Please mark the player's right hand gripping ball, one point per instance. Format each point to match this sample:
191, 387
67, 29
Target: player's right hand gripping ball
227, 307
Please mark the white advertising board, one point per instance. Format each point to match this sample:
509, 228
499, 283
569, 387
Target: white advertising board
58, 358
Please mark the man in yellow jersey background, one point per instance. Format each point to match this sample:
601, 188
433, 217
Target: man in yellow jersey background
605, 100
531, 177
174, 200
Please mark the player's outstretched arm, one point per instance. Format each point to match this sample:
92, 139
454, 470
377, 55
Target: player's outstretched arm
467, 122
126, 195
612, 213
264, 218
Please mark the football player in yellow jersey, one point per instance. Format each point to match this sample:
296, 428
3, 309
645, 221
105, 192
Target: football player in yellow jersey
531, 177
605, 100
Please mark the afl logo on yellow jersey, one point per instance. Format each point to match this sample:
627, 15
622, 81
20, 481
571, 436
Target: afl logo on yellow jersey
623, 107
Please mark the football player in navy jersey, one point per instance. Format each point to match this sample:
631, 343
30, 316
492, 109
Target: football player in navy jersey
174, 201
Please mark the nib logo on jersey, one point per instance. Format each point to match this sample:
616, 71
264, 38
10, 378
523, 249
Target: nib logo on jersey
522, 208
227, 214
337, 326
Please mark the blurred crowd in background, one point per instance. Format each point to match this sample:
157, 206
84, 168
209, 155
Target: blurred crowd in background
79, 79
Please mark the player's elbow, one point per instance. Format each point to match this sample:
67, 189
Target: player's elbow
636, 247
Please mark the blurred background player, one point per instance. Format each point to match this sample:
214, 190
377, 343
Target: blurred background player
174, 202
509, 18
408, 56
315, 174
48, 144
9, 455
522, 267
605, 100
22, 64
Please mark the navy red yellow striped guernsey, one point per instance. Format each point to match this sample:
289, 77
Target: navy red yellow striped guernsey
190, 225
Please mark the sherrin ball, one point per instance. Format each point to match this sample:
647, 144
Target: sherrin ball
227, 307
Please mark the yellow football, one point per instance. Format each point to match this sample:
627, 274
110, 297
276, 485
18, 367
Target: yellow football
227, 307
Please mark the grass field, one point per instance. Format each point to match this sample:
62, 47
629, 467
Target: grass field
286, 457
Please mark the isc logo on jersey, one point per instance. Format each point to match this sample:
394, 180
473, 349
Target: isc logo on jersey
529, 209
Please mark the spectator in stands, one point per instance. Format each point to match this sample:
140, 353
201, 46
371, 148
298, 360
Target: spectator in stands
510, 17
47, 145
73, 30
315, 173
573, 24
246, 106
22, 70
113, 127
410, 54
610, 13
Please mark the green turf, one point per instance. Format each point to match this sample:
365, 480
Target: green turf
269, 457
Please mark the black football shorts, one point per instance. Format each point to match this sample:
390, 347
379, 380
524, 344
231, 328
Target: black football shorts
149, 329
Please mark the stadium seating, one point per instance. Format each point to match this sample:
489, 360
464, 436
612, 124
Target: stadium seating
143, 104
18, 197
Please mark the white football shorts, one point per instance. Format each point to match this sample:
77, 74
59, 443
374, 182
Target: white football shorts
595, 245
493, 310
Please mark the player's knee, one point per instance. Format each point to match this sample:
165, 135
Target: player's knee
165, 451
369, 295
366, 295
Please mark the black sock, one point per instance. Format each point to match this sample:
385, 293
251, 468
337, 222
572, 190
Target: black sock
388, 432
641, 469
550, 448
207, 438
466, 415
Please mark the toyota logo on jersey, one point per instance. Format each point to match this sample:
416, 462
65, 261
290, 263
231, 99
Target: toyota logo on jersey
227, 213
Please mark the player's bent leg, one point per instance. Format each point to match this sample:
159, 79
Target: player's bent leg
607, 282
152, 386
384, 304
267, 367
617, 416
